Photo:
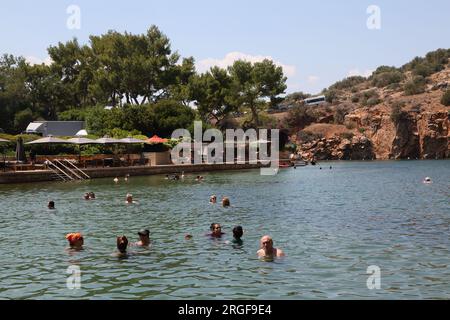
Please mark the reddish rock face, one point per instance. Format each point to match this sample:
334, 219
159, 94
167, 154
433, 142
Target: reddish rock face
416, 136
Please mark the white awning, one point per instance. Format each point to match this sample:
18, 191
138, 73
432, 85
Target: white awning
33, 127
81, 133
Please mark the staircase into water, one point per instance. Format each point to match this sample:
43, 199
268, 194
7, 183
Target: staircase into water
65, 170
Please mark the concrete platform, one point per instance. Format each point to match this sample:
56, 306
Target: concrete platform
46, 175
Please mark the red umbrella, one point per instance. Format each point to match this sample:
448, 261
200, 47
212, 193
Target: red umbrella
155, 140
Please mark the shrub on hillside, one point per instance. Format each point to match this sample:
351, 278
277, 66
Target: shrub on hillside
397, 113
347, 83
370, 98
331, 96
385, 76
415, 86
433, 62
446, 98
339, 115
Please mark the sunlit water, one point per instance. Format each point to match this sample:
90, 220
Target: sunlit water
332, 224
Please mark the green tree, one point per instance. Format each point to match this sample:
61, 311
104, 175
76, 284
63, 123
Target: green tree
251, 83
211, 92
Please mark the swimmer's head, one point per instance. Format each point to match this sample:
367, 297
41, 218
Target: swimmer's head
122, 244
238, 232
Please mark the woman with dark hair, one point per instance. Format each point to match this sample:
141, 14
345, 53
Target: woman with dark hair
216, 230
122, 244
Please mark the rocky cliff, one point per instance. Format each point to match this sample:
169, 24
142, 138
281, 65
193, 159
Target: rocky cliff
396, 126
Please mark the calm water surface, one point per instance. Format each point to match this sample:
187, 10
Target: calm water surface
332, 224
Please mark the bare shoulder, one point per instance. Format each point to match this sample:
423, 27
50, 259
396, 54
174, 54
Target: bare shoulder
280, 253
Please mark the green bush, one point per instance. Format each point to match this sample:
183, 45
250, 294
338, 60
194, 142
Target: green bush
387, 78
433, 62
339, 116
446, 98
370, 98
347, 83
331, 96
355, 98
397, 113
415, 86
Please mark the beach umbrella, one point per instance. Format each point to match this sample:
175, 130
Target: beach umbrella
131, 140
107, 140
48, 140
156, 140
20, 151
79, 142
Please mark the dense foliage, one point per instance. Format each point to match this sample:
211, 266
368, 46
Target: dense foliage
148, 87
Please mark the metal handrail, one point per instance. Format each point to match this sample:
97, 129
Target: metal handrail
70, 170
59, 169
78, 169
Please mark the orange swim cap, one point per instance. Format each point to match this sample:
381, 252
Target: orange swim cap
72, 237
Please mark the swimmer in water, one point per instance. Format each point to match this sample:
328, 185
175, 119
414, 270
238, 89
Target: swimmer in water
188, 237
76, 241
51, 205
213, 199
122, 244
216, 230
144, 236
267, 250
427, 180
237, 235
116, 180
91, 195
86, 196
225, 202
129, 199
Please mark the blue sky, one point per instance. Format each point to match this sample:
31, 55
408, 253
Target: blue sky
317, 42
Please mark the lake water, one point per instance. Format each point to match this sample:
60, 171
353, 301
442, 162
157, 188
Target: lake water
332, 225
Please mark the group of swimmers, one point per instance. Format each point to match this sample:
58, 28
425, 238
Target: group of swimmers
267, 250
76, 241
225, 200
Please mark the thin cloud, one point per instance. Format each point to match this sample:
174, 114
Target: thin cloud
313, 79
35, 60
356, 72
230, 58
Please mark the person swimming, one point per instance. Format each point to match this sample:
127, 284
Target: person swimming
213, 199
237, 235
216, 230
76, 240
427, 180
122, 244
91, 195
267, 250
144, 236
188, 236
87, 196
225, 202
116, 180
129, 198
51, 205
126, 177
